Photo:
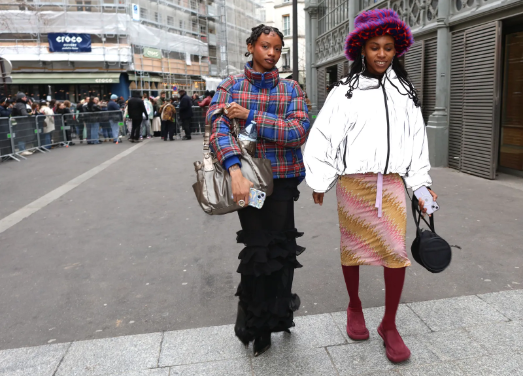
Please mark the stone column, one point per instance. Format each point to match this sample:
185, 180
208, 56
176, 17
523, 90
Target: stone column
438, 123
353, 10
311, 9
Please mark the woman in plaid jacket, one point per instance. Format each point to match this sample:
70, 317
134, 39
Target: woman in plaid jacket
278, 109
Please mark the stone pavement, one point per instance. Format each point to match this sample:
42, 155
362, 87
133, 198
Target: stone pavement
469, 335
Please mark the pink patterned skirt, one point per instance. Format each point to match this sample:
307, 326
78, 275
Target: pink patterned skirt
368, 237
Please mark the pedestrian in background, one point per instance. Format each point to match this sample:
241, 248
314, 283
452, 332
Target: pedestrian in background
137, 112
146, 122
185, 113
206, 101
49, 124
64, 109
268, 262
369, 137
114, 116
168, 116
104, 116
5, 111
93, 110
195, 99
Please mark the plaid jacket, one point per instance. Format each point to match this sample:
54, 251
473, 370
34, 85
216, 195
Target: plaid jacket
277, 107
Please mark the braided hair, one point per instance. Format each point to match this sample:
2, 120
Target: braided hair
257, 31
352, 80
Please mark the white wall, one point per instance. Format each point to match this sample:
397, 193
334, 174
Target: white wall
275, 10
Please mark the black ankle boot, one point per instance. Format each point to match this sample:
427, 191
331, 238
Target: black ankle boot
262, 344
240, 325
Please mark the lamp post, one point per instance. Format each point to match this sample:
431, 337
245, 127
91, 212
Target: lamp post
295, 40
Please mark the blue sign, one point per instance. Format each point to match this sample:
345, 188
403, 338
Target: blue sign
66, 42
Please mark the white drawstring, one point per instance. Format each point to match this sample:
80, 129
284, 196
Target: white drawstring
378, 202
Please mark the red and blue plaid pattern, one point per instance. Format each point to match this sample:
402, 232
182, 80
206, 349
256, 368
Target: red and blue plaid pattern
279, 109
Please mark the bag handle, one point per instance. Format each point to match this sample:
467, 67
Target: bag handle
208, 126
415, 209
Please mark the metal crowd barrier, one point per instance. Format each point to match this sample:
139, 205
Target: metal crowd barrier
95, 127
26, 134
198, 121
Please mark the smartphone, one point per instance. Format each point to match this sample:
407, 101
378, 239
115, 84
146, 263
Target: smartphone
256, 198
429, 204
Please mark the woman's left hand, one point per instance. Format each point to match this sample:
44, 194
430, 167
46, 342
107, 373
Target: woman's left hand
421, 202
236, 111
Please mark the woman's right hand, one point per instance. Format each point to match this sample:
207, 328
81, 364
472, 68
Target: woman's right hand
239, 184
318, 198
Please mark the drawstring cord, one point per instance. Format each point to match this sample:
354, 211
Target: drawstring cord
378, 201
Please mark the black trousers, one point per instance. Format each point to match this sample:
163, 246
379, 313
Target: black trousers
268, 263
168, 129
135, 128
186, 126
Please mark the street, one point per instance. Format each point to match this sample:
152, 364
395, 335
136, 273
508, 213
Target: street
128, 251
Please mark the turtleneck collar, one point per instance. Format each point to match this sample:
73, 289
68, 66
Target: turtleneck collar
267, 80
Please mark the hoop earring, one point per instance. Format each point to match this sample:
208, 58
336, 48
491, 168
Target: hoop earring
363, 63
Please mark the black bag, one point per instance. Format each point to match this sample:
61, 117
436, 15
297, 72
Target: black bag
429, 249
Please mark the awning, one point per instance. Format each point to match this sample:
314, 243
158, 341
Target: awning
65, 78
133, 77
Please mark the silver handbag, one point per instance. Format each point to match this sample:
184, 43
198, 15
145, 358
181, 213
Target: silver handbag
213, 187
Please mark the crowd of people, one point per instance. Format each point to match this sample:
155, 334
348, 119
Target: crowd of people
96, 121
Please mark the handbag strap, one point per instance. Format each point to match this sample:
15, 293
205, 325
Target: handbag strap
208, 128
416, 210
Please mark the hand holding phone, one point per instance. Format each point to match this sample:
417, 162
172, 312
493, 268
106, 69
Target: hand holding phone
256, 198
430, 205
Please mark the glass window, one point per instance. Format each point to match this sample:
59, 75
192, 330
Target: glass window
331, 13
286, 25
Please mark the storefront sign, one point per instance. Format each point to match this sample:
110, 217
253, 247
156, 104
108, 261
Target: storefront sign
135, 10
66, 42
153, 53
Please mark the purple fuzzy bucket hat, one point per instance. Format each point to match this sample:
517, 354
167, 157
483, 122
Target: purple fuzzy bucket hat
374, 23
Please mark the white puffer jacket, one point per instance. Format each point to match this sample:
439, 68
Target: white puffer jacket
378, 130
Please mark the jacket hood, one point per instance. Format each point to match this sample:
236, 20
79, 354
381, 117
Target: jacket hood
266, 80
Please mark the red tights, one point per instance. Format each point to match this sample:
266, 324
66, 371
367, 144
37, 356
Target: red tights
396, 350
394, 280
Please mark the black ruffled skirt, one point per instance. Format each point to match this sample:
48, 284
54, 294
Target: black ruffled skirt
268, 261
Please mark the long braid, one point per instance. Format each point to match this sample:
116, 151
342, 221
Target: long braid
257, 31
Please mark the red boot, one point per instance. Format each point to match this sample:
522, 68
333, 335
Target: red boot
356, 325
396, 349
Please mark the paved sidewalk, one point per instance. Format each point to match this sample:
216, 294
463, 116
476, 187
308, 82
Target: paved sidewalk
469, 335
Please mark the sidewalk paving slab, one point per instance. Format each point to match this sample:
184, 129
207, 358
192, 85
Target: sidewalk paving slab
200, 345
499, 365
230, 367
509, 302
111, 355
484, 343
438, 369
34, 361
456, 312
311, 362
499, 337
453, 345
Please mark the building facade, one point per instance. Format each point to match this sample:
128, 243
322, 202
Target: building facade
144, 45
279, 14
466, 65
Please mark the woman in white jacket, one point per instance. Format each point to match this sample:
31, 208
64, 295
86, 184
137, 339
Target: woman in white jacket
368, 137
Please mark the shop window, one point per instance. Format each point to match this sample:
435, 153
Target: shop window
286, 25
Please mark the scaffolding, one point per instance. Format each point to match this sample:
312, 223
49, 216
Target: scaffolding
192, 38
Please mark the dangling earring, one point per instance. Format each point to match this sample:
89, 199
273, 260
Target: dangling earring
363, 63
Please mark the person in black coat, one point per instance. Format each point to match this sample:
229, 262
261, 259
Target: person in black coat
5, 113
185, 113
135, 109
